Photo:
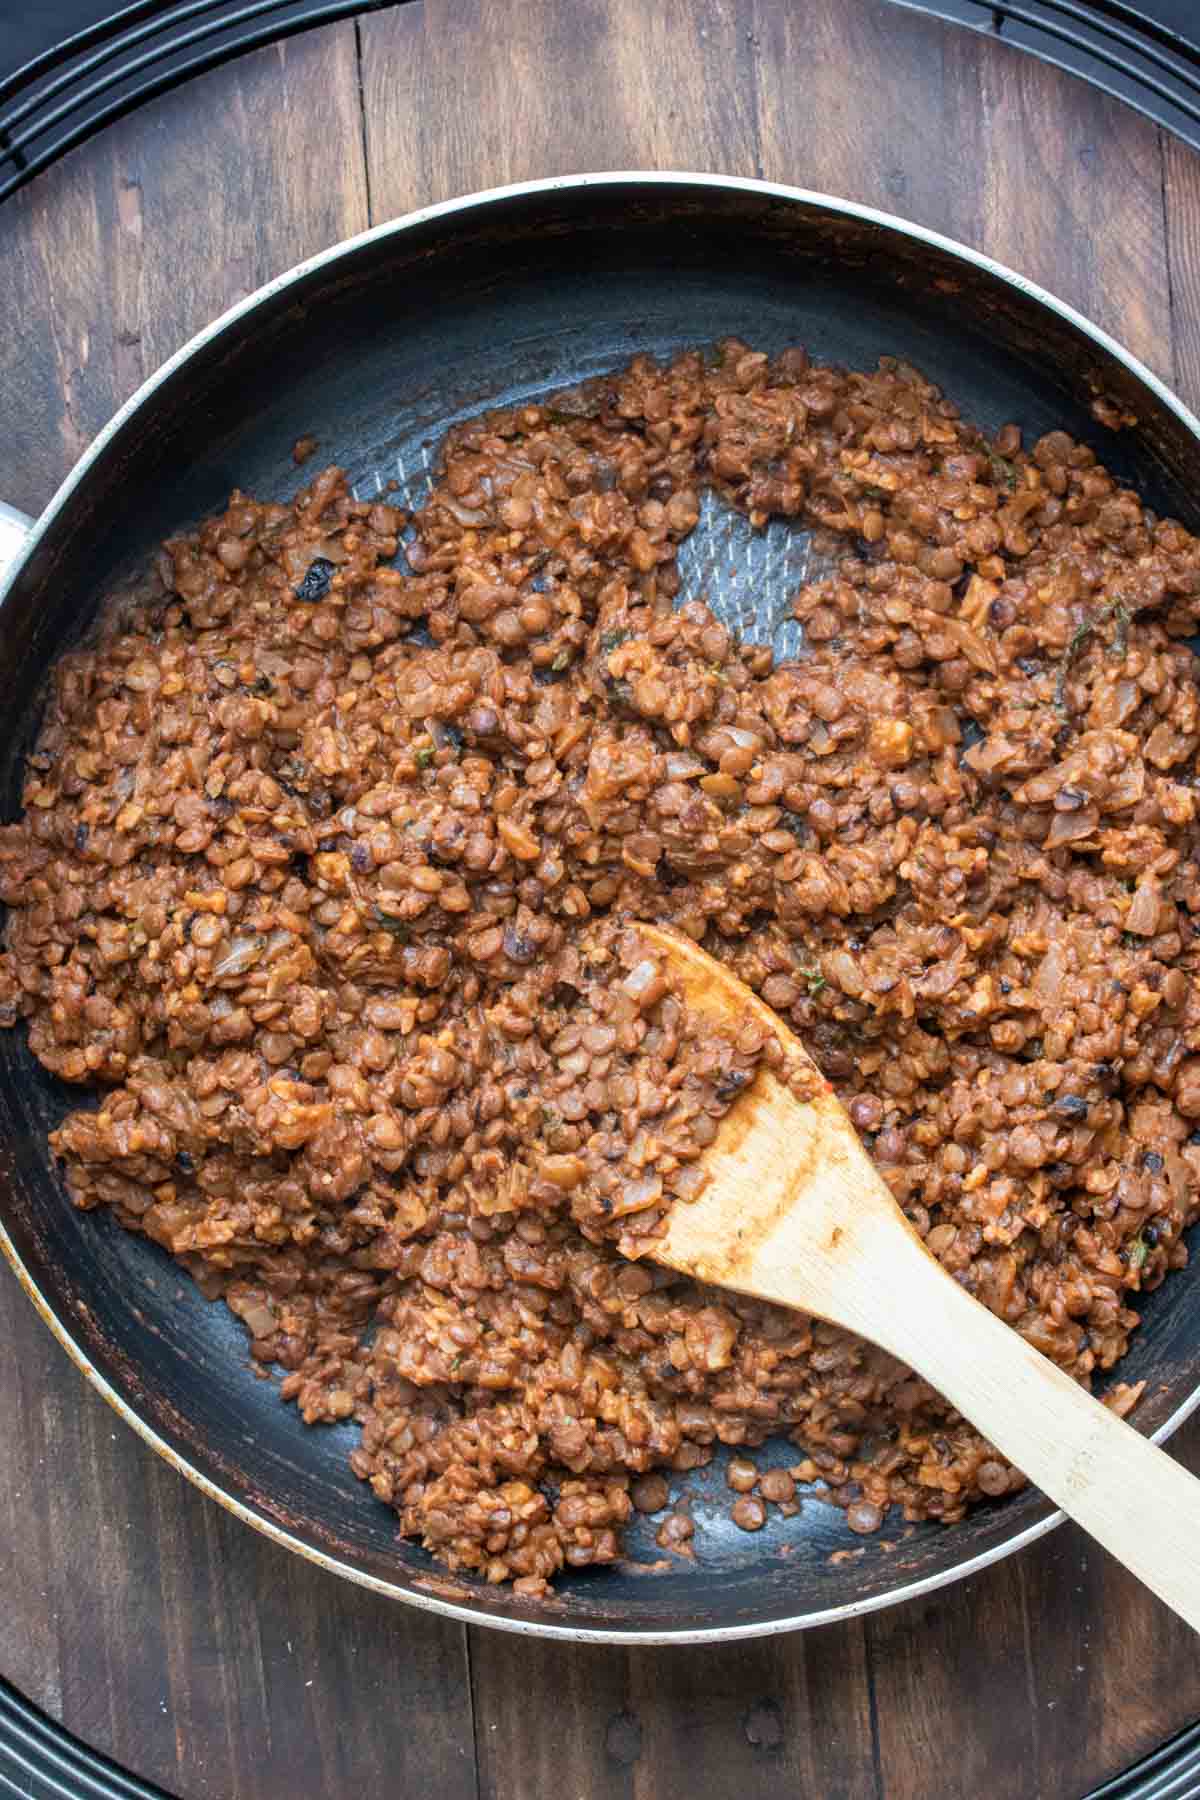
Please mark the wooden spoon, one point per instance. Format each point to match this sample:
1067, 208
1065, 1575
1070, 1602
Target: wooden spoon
794, 1212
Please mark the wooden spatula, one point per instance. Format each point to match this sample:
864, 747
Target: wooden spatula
794, 1212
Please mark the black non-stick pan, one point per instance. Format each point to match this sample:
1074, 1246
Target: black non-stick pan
375, 348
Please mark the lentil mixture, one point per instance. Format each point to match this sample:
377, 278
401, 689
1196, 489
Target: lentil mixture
333, 849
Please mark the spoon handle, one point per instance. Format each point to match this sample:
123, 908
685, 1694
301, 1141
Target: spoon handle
794, 1212
1131, 1496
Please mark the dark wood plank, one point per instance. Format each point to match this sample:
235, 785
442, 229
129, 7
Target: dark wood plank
1072, 195
1114, 1661
773, 1717
858, 102
190, 1648
1181, 202
920, 1652
468, 94
38, 1381
114, 257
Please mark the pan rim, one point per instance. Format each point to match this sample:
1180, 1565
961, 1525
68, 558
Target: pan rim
448, 209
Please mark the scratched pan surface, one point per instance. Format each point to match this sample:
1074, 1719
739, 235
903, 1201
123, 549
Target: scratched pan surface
375, 349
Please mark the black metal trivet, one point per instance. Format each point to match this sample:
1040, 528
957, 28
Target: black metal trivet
1172, 1773
69, 67
39, 1761
64, 76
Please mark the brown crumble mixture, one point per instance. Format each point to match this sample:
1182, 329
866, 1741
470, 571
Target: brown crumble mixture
326, 878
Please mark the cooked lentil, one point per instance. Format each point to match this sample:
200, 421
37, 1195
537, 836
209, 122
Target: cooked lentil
326, 876
748, 1513
741, 1474
777, 1485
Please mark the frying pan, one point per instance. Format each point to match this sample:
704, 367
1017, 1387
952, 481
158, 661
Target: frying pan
375, 347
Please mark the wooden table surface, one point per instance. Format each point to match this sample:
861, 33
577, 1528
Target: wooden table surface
152, 1624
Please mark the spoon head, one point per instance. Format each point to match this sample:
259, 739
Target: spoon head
792, 1203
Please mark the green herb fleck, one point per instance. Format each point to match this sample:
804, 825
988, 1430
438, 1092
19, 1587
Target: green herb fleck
551, 1120
1137, 1251
1112, 609
1082, 631
609, 640
570, 410
872, 492
562, 661
1004, 471
1078, 636
810, 973
399, 928
424, 756
1118, 611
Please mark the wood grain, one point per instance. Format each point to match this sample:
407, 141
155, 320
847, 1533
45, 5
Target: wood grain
669, 85
1181, 209
1071, 193
775, 1718
133, 243
124, 1590
851, 103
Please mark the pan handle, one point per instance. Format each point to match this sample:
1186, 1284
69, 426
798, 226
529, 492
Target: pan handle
14, 529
